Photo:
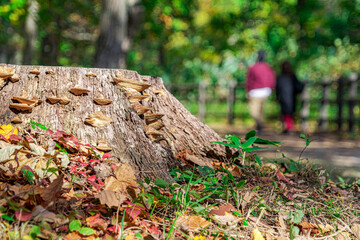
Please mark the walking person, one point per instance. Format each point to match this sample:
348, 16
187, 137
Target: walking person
287, 88
260, 82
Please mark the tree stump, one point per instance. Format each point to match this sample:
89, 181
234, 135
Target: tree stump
132, 115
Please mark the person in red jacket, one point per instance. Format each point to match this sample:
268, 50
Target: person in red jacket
260, 82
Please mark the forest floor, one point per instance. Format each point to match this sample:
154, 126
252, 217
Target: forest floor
53, 186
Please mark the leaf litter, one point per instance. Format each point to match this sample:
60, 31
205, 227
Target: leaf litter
54, 186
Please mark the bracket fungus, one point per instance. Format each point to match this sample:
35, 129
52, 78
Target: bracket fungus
78, 91
64, 101
138, 98
98, 119
35, 71
16, 120
152, 117
154, 135
6, 72
157, 125
14, 78
49, 72
140, 109
24, 100
90, 74
102, 101
53, 100
102, 146
22, 107
129, 83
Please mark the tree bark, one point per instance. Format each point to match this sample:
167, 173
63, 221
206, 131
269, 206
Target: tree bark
129, 134
31, 30
118, 22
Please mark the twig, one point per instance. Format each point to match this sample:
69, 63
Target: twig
332, 235
260, 216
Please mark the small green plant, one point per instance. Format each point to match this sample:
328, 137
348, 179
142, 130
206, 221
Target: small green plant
294, 219
247, 145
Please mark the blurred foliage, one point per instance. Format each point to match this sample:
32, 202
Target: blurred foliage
187, 41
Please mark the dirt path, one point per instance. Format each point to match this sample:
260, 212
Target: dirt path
331, 151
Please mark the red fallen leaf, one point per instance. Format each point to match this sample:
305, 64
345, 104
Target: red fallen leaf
14, 138
23, 216
280, 176
3, 138
106, 155
96, 221
73, 169
72, 139
50, 132
92, 178
84, 164
133, 212
114, 229
135, 205
64, 228
82, 173
95, 185
29, 139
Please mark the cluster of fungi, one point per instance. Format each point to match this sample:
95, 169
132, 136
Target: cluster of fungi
132, 89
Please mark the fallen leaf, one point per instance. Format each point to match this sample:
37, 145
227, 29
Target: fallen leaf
124, 178
355, 228
280, 176
130, 236
7, 130
42, 214
55, 187
223, 209
191, 223
226, 220
111, 198
6, 152
78, 236
96, 221
256, 235
23, 216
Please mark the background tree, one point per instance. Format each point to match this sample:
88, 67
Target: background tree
118, 22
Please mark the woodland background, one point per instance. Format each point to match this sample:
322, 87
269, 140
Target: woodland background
185, 41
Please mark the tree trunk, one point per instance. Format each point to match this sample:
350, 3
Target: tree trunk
118, 22
31, 30
149, 146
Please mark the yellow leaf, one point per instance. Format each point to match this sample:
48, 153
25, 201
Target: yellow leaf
200, 238
7, 130
256, 235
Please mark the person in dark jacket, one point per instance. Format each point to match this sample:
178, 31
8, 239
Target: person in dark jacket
287, 88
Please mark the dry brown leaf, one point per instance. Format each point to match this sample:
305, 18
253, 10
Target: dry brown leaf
268, 236
78, 236
191, 223
223, 209
111, 198
327, 228
226, 220
42, 214
256, 235
55, 187
355, 228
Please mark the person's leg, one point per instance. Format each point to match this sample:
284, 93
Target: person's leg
256, 107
